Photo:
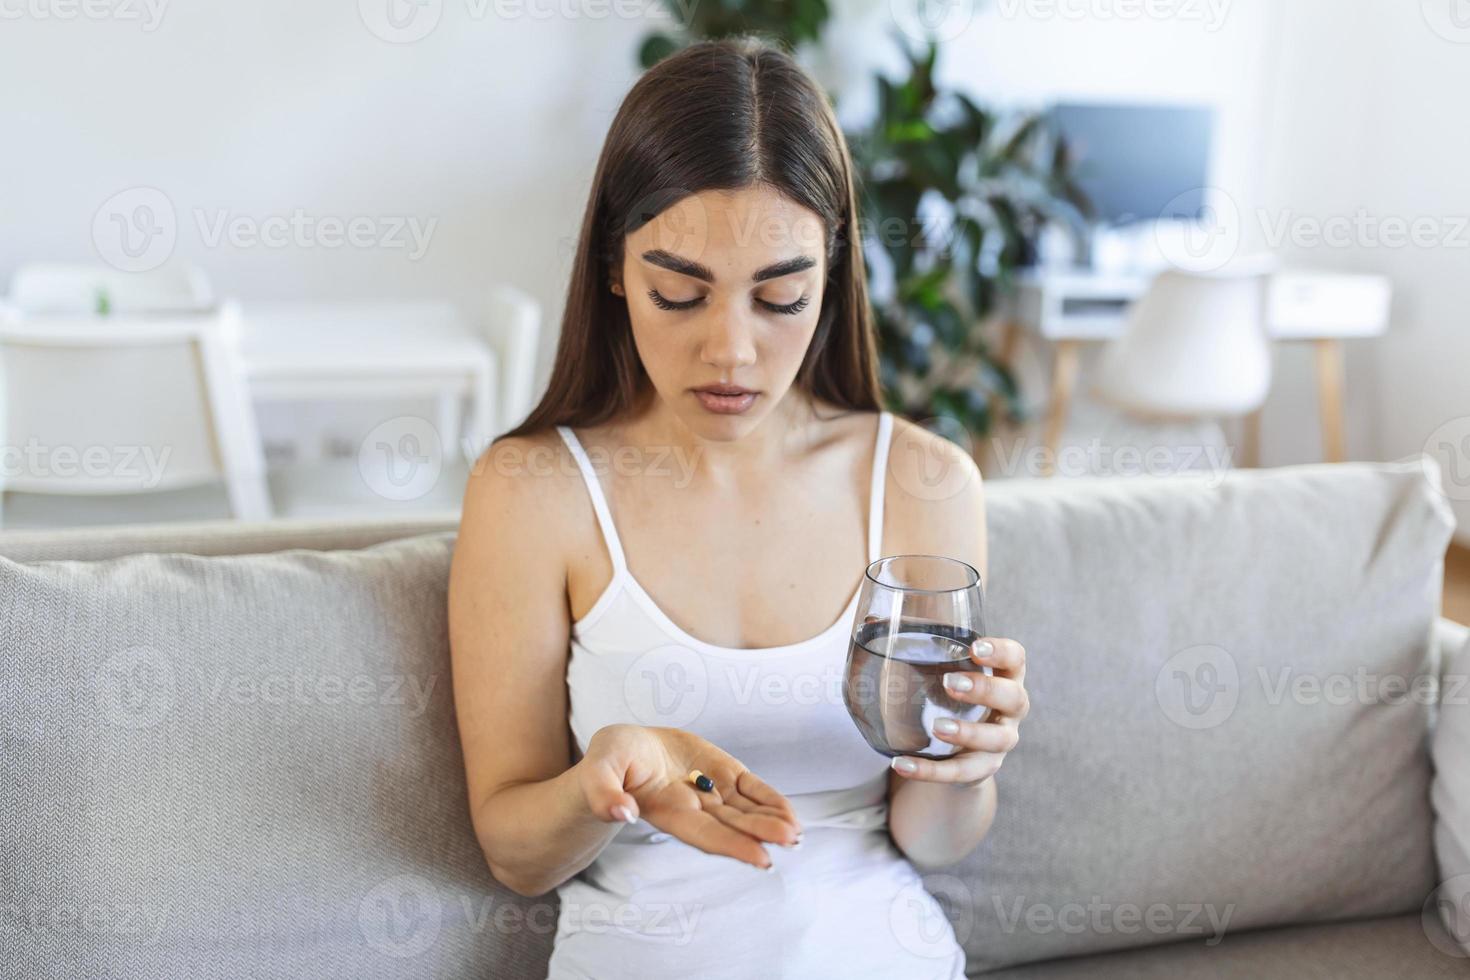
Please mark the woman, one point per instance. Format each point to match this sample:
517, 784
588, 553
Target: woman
657, 572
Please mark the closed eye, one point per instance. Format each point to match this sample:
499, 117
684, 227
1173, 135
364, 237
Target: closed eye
664, 303
789, 309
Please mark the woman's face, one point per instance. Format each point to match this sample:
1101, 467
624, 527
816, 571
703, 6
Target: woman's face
723, 291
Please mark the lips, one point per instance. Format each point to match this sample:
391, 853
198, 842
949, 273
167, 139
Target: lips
725, 390
725, 399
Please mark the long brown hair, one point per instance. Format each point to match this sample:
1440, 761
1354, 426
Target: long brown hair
718, 115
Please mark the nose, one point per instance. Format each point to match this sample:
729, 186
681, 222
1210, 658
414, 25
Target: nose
730, 342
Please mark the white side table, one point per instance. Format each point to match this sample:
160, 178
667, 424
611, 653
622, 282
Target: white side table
325, 351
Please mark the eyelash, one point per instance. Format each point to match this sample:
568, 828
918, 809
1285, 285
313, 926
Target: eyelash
786, 309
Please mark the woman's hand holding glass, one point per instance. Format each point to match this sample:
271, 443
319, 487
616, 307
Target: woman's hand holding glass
982, 745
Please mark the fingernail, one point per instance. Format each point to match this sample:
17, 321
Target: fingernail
906, 765
984, 648
946, 726
958, 682
623, 814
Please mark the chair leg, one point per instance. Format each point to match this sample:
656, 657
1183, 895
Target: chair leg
1250, 449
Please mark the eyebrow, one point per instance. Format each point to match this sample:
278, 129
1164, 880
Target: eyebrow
688, 267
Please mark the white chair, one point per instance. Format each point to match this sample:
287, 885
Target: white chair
1194, 351
512, 325
1195, 346
127, 405
56, 288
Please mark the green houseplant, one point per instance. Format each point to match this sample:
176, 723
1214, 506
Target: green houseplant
954, 199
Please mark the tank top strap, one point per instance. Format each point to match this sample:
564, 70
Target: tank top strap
875, 492
599, 502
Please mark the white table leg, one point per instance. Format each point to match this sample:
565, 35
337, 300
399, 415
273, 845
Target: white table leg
448, 423
482, 409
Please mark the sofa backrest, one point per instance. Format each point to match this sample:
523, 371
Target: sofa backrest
215, 763
1231, 688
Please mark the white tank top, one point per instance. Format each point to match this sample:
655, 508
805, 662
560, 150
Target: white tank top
846, 903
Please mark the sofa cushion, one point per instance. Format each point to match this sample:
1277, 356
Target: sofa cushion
1218, 737
242, 766
1396, 946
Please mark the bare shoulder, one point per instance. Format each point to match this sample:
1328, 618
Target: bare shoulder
934, 493
527, 487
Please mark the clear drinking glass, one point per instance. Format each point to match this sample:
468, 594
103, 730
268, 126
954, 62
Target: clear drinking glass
916, 619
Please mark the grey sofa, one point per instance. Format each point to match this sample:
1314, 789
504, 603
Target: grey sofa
230, 751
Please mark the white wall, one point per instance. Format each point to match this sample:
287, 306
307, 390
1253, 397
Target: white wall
1370, 122
489, 126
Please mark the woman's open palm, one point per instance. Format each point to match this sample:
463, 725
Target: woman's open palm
635, 771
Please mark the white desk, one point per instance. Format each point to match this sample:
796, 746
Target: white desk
1070, 308
370, 351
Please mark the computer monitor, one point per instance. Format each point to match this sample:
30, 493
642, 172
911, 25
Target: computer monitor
1139, 162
